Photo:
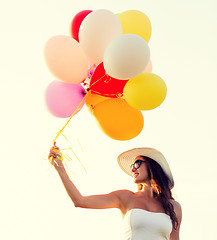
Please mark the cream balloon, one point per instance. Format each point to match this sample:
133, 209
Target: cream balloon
126, 56
96, 32
66, 59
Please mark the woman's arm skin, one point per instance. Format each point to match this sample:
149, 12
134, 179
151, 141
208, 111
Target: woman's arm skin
114, 199
178, 210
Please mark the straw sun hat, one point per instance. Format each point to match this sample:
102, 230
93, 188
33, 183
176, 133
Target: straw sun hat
127, 158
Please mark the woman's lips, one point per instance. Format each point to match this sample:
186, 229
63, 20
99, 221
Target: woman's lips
135, 175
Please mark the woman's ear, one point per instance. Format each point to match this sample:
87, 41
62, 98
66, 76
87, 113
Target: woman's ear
139, 187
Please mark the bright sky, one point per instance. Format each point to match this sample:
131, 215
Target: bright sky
33, 202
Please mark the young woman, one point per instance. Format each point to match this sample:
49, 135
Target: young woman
151, 213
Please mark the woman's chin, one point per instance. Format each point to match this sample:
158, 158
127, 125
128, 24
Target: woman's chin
136, 180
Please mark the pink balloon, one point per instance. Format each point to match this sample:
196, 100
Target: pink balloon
149, 67
62, 99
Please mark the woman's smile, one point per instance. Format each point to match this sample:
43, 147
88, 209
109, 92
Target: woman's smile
135, 175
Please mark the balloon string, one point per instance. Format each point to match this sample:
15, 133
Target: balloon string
118, 95
76, 110
73, 153
108, 78
93, 66
67, 122
89, 70
97, 80
69, 119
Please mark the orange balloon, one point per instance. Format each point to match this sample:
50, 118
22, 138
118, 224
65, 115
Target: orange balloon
118, 119
93, 99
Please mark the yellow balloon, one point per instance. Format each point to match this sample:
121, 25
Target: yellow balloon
93, 99
136, 22
118, 119
145, 92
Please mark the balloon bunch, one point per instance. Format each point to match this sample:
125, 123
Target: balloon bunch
105, 64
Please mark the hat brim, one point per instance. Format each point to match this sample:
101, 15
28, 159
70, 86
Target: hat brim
127, 158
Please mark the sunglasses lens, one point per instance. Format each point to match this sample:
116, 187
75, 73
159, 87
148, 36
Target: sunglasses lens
136, 165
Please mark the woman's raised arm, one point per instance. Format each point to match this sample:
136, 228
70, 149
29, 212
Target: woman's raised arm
111, 200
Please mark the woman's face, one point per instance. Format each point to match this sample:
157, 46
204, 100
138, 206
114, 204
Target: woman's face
140, 172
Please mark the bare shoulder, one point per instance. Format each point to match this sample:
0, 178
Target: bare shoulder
178, 211
124, 197
177, 208
123, 194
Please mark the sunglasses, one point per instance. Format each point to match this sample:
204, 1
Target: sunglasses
136, 164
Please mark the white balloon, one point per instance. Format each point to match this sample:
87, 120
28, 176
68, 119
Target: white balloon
96, 31
126, 56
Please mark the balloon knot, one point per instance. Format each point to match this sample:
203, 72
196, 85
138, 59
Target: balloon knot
108, 79
119, 95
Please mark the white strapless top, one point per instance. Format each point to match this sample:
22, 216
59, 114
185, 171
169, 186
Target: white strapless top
140, 224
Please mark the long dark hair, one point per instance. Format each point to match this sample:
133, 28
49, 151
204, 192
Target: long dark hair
161, 189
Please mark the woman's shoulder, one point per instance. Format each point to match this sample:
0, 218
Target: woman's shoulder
124, 194
177, 208
125, 198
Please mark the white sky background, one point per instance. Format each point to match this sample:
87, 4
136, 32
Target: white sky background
33, 202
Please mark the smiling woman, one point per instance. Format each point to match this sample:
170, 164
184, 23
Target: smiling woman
151, 212
159, 182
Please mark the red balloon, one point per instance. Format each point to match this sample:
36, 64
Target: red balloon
76, 23
101, 83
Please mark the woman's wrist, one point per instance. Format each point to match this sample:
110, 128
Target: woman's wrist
58, 164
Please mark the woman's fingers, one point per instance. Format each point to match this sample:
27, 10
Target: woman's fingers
54, 153
55, 157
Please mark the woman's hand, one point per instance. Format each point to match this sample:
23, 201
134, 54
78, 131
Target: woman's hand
55, 157
114, 199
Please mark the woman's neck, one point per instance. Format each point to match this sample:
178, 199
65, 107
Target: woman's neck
146, 190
